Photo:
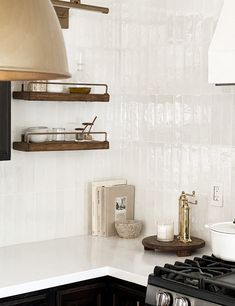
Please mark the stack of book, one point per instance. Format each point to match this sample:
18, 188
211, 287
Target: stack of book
112, 201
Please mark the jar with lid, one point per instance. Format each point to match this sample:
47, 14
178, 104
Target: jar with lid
79, 135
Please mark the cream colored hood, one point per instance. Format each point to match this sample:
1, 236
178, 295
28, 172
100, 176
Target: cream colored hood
221, 57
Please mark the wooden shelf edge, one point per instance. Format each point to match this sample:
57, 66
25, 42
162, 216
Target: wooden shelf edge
54, 96
60, 146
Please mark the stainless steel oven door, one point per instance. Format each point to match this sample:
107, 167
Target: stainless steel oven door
161, 297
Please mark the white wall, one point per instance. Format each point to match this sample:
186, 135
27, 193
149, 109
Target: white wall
169, 130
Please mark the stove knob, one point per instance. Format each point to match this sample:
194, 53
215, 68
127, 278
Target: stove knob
163, 299
181, 301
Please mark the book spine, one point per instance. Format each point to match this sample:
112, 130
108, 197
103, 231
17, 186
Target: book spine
94, 211
95, 198
99, 210
103, 213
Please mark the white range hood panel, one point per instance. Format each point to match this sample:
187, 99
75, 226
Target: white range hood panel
221, 56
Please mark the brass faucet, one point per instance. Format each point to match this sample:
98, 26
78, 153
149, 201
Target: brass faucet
184, 216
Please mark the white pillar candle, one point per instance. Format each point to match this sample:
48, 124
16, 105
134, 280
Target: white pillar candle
165, 231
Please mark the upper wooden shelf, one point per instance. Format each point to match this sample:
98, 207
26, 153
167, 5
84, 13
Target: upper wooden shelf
63, 96
54, 96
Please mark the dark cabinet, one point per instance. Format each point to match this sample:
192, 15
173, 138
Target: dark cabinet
105, 291
83, 295
5, 120
27, 300
127, 294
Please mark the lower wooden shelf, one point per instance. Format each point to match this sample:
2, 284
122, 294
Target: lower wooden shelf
60, 146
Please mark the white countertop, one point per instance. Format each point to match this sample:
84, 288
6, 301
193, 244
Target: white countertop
35, 266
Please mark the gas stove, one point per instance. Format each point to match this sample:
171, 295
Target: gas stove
203, 281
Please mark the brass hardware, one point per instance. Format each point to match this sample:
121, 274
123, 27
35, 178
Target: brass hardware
79, 5
68, 84
184, 216
26, 136
62, 10
63, 16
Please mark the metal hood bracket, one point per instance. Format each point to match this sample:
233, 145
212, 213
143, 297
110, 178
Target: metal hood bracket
62, 10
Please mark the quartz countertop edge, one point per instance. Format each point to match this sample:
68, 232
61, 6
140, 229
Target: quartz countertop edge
52, 282
70, 279
36, 266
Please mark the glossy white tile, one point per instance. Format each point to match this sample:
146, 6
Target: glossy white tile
169, 130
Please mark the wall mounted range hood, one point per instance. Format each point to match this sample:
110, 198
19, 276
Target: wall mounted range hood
32, 43
221, 56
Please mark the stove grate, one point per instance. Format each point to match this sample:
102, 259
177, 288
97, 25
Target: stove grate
197, 273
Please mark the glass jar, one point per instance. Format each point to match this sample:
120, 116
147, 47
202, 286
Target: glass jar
79, 134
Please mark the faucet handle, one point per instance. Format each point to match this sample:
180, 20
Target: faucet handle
184, 196
193, 195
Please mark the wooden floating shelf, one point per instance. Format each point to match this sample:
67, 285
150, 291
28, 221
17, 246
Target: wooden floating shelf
60, 146
57, 96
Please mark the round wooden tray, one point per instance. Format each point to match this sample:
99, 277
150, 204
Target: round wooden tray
181, 249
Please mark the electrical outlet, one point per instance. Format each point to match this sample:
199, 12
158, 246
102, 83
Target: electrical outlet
217, 195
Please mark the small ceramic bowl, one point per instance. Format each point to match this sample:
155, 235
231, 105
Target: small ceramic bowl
37, 138
128, 228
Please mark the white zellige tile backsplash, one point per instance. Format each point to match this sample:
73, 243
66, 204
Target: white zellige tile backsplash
169, 130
